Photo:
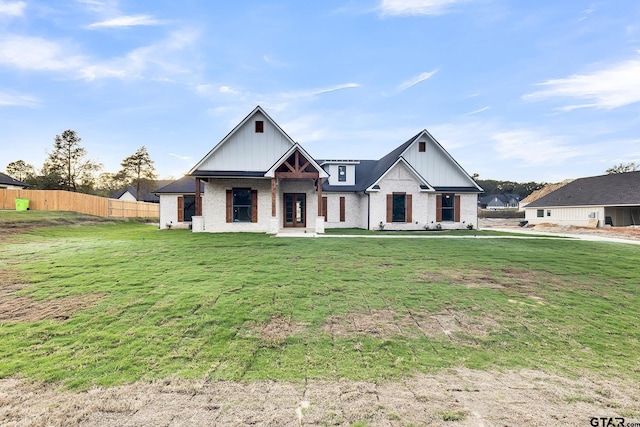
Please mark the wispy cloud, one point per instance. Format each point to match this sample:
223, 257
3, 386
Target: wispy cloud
418, 7
34, 53
273, 61
609, 88
533, 148
318, 91
100, 6
8, 100
12, 8
228, 90
126, 21
212, 90
480, 110
177, 156
586, 12
415, 80
155, 62
481, 144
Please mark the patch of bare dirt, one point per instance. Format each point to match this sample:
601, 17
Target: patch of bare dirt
276, 330
472, 278
384, 323
26, 309
379, 323
20, 308
479, 398
522, 281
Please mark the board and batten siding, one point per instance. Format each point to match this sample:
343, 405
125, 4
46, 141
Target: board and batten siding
435, 166
247, 150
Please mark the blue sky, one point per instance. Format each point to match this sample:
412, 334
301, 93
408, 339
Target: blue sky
517, 90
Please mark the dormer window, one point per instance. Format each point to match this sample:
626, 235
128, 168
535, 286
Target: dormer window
342, 173
259, 126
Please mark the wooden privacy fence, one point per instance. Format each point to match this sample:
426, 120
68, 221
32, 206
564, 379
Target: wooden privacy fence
60, 200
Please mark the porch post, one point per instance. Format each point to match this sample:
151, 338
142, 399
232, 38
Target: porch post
319, 196
273, 221
320, 218
198, 199
273, 197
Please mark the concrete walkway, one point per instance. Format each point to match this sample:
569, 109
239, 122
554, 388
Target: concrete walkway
579, 236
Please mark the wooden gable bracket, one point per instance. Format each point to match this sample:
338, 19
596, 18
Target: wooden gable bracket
291, 168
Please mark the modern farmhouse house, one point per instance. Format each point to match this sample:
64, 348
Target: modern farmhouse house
258, 179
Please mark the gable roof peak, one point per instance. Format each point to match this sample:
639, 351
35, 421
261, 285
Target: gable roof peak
243, 122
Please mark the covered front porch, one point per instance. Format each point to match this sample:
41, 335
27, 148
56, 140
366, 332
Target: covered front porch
296, 185
288, 197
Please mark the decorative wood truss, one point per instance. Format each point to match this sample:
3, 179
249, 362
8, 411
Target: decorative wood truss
296, 166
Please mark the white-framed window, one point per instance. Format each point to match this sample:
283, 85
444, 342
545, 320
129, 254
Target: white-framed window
342, 173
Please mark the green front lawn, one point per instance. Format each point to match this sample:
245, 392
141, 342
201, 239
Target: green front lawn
109, 303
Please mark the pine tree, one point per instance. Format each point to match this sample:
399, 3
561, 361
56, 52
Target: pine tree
68, 160
20, 170
139, 169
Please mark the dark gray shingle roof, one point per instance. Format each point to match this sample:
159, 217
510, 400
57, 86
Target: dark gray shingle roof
602, 190
184, 185
7, 180
363, 170
147, 195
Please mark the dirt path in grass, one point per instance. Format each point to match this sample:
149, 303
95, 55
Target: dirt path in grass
456, 397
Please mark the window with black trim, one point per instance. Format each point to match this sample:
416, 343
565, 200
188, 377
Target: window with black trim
422, 146
189, 207
259, 126
540, 213
399, 208
241, 207
448, 207
342, 173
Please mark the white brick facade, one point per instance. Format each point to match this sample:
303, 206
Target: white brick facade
257, 150
353, 215
214, 204
169, 212
401, 180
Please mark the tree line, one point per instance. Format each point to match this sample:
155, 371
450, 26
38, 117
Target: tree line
523, 189
67, 167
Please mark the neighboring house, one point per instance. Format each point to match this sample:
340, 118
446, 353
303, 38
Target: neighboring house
8, 183
535, 195
129, 194
500, 201
178, 202
258, 179
594, 201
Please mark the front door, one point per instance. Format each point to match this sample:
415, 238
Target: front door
295, 207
